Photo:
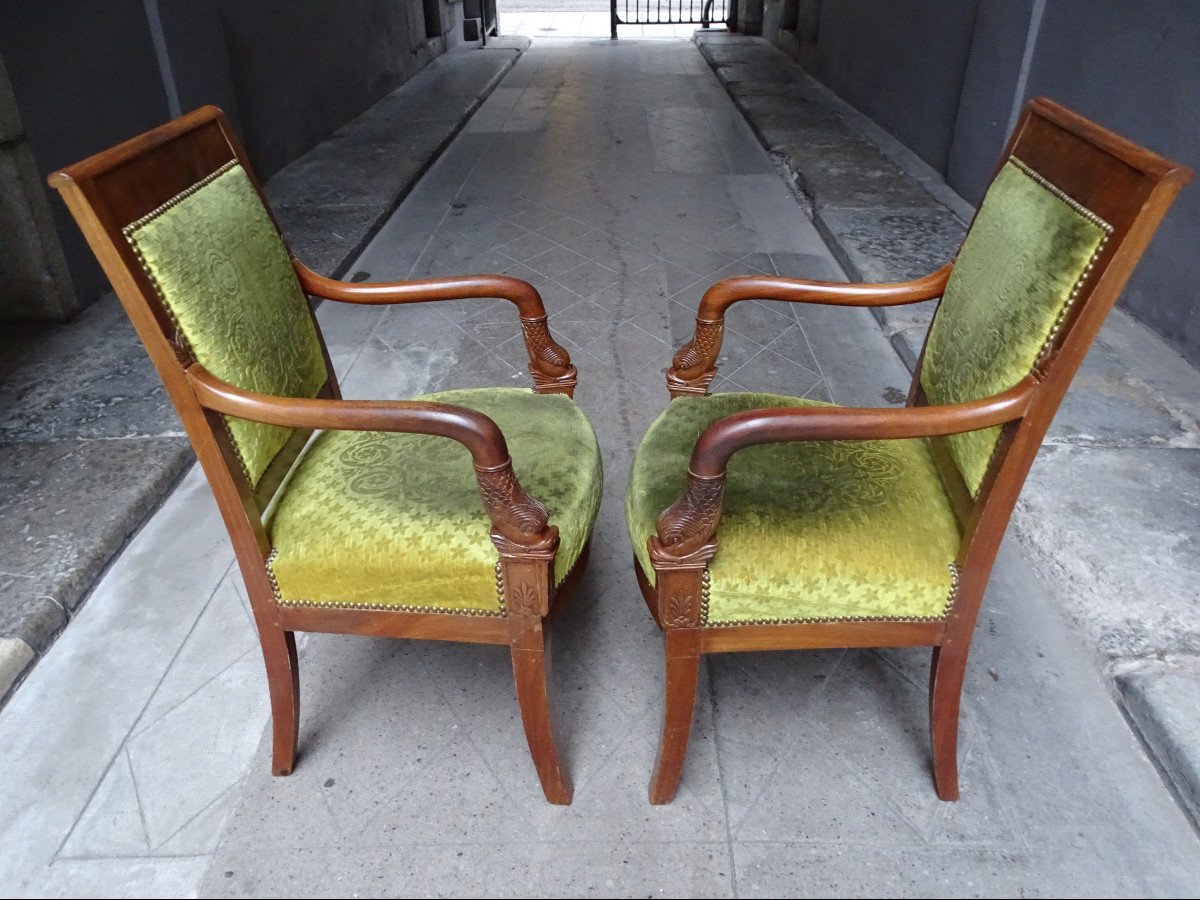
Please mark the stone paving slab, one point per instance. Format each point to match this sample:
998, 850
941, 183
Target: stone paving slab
73, 483
89, 441
1125, 555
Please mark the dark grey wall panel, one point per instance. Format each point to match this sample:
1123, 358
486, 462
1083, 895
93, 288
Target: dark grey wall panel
194, 32
902, 63
303, 67
1136, 69
85, 77
986, 102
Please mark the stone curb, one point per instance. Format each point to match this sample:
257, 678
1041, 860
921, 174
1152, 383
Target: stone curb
15, 658
1163, 703
910, 227
345, 187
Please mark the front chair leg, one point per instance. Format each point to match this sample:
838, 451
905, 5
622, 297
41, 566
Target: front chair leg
945, 693
682, 652
283, 681
531, 669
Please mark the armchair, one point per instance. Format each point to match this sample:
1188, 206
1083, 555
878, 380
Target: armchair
762, 522
462, 516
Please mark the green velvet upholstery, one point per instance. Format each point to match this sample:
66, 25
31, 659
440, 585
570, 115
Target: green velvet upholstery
224, 275
811, 531
394, 520
1015, 276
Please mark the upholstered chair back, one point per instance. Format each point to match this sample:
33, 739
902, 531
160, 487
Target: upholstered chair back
1023, 264
220, 270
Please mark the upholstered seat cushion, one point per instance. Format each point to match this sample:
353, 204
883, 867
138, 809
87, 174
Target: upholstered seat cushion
395, 520
811, 531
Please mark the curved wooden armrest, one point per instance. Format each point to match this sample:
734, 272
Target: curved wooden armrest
549, 364
520, 523
695, 364
686, 530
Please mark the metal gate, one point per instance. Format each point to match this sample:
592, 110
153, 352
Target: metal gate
674, 12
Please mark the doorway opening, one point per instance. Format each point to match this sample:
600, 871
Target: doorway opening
613, 18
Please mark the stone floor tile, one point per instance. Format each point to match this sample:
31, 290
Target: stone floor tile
776, 374
763, 325
495, 869
586, 279
181, 769
221, 637
113, 822
111, 878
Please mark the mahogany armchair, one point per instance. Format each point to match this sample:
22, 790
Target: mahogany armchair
398, 519
762, 522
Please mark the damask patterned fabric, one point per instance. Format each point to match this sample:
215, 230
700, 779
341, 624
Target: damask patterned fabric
1014, 276
816, 530
226, 278
372, 518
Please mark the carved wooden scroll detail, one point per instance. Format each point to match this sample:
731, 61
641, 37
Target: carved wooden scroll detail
549, 363
695, 363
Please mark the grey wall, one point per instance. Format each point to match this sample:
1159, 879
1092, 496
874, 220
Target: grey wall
900, 62
947, 77
301, 68
34, 283
988, 98
85, 77
87, 74
1136, 69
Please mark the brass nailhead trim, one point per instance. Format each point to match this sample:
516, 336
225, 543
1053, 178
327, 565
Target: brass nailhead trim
833, 620
500, 589
375, 607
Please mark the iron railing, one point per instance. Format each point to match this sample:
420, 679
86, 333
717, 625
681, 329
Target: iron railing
674, 12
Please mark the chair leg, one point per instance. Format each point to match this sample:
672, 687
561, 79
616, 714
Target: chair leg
945, 692
283, 681
531, 669
682, 653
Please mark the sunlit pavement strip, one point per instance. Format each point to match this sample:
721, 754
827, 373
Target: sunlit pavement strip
129, 757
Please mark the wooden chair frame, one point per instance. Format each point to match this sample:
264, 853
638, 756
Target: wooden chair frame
1127, 186
112, 189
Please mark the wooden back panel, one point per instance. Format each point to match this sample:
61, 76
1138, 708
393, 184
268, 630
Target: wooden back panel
110, 190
